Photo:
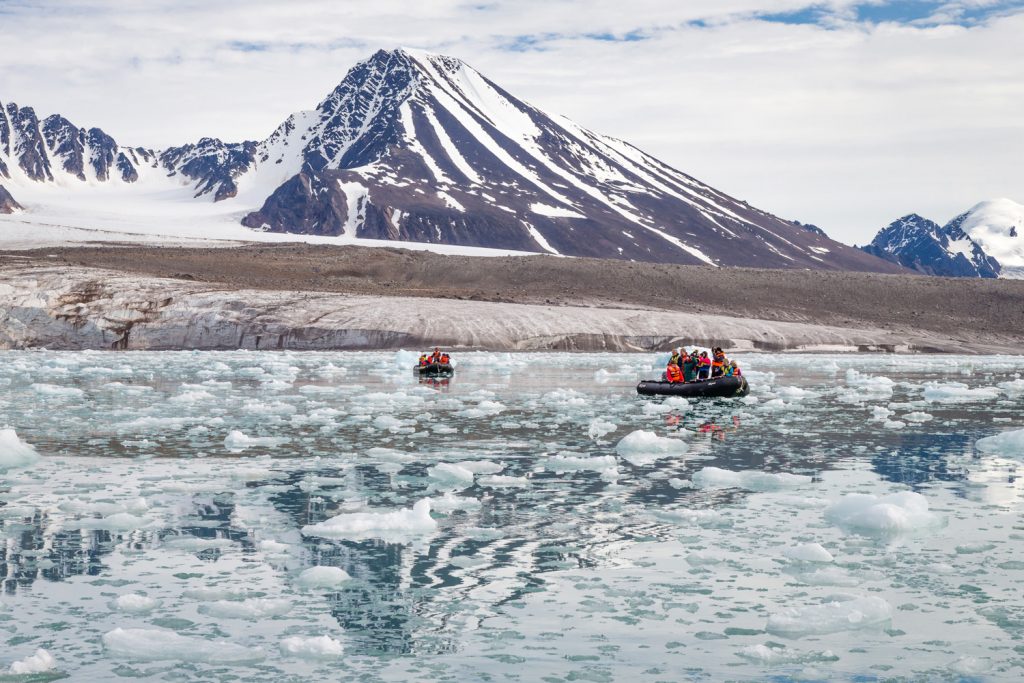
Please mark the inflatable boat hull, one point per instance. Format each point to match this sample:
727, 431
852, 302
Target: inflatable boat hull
721, 387
435, 370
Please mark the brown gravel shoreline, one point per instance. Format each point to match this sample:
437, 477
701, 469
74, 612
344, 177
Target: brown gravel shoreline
964, 309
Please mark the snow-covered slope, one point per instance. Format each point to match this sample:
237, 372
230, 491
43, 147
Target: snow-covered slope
998, 226
924, 246
410, 147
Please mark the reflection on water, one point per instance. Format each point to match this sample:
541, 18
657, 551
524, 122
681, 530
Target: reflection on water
547, 526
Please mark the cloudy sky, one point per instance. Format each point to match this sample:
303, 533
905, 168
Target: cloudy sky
844, 114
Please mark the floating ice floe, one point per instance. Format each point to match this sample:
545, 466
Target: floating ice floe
449, 502
315, 647
482, 409
795, 393
600, 428
775, 654
134, 603
808, 552
323, 577
957, 392
752, 480
153, 645
881, 515
842, 613
918, 416
874, 384
448, 473
569, 462
14, 452
55, 390
252, 608
239, 441
121, 521
1014, 387
38, 663
397, 525
1008, 443
502, 481
642, 447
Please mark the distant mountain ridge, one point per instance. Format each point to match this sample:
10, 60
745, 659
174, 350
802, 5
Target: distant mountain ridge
925, 246
415, 147
984, 241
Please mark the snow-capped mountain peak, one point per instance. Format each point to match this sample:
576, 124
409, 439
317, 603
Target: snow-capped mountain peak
998, 226
923, 245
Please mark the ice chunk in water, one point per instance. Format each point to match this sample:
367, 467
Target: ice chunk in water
451, 474
870, 383
918, 416
642, 447
752, 480
1013, 387
253, 608
1008, 443
777, 654
502, 481
808, 552
133, 603
873, 515
323, 577
14, 452
57, 391
844, 613
316, 647
122, 521
957, 392
394, 525
237, 441
449, 502
41, 662
152, 645
570, 462
599, 428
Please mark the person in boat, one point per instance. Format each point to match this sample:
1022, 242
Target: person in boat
732, 370
436, 356
675, 359
445, 359
689, 363
424, 360
718, 362
673, 374
703, 366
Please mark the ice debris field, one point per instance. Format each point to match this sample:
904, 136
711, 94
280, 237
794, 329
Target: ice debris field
302, 516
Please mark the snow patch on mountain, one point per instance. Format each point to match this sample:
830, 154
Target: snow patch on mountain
998, 226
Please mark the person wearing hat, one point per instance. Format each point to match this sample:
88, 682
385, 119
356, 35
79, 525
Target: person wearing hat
689, 367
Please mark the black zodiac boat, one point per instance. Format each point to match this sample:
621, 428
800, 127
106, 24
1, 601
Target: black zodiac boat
435, 370
722, 387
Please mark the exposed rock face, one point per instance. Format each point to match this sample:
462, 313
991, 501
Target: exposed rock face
924, 246
212, 164
23, 143
7, 203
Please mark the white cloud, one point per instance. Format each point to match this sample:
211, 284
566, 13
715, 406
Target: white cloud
843, 124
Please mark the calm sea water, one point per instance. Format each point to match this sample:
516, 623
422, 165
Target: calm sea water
840, 523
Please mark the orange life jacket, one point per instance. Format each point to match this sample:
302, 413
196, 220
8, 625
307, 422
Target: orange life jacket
445, 359
673, 373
